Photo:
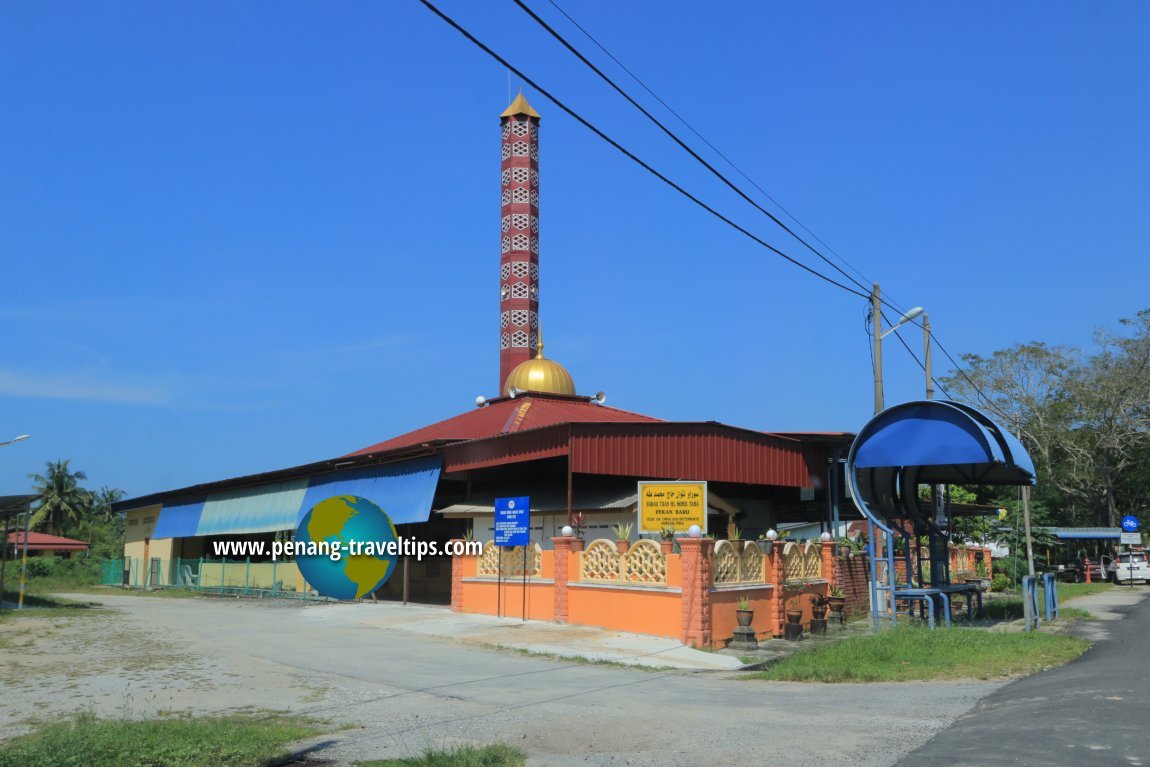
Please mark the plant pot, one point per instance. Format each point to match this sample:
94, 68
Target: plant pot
836, 604
844, 551
744, 617
766, 548
666, 546
818, 627
792, 631
623, 546
819, 613
795, 616
577, 544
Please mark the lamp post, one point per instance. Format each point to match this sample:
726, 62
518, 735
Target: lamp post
879, 335
4, 554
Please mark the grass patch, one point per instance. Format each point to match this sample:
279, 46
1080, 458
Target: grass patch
1009, 608
910, 653
497, 755
87, 741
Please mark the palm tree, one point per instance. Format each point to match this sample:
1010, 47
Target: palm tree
102, 501
62, 500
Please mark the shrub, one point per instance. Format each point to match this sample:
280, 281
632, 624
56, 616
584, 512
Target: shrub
1001, 582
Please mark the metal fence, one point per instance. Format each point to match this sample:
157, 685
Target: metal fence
425, 582
217, 576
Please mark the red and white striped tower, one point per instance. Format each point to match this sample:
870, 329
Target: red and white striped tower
519, 262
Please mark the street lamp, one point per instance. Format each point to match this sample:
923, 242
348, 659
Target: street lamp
27, 526
879, 335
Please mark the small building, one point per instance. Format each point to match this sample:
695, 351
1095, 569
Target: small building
43, 545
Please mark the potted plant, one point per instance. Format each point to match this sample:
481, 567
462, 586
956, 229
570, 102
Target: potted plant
736, 538
622, 537
818, 614
667, 539
843, 547
766, 545
836, 601
793, 628
743, 612
578, 523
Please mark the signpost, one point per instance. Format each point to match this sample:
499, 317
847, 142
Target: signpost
677, 505
1130, 537
512, 528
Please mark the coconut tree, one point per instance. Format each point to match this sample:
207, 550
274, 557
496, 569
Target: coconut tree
63, 501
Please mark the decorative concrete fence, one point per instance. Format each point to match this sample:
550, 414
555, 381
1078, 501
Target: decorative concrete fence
691, 596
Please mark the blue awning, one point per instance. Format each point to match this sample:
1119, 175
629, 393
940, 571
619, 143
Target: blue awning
404, 490
1086, 533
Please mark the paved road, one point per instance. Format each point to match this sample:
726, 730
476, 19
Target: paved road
403, 692
1094, 711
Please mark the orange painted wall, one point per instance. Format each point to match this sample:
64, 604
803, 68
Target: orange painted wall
725, 602
489, 598
657, 612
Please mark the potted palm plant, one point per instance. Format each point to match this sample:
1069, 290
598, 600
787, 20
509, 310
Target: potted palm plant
818, 614
836, 601
622, 537
667, 539
793, 628
743, 612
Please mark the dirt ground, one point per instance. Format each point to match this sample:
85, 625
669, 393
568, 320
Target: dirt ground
390, 689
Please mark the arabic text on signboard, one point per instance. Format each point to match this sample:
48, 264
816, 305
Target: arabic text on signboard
672, 504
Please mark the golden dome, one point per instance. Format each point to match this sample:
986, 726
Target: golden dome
540, 374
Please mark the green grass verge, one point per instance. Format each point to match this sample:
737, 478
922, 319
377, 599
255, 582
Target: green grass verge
87, 741
497, 755
910, 653
1009, 608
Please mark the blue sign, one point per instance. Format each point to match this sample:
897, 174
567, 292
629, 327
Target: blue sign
1130, 524
513, 521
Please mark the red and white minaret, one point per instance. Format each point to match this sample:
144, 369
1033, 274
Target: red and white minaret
519, 240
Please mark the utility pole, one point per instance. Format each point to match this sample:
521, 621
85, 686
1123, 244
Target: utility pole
926, 355
876, 329
1026, 525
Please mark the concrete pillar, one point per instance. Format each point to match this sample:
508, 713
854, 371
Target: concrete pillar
564, 558
457, 583
696, 561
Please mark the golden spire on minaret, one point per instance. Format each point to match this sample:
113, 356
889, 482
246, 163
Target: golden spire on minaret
520, 107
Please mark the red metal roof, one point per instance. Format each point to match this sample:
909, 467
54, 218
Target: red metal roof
507, 416
43, 541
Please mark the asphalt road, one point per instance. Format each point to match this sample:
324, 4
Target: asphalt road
1094, 711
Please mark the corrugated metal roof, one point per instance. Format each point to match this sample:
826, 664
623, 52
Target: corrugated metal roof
1085, 533
403, 490
508, 416
551, 503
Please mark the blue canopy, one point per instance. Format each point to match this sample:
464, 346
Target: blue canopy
404, 490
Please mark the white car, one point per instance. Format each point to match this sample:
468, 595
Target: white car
1130, 567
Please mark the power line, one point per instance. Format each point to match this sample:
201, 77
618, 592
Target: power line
682, 144
703, 138
631, 156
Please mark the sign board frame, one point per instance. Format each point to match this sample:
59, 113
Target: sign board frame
1131, 539
513, 521
688, 507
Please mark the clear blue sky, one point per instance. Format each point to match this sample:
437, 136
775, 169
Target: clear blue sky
244, 236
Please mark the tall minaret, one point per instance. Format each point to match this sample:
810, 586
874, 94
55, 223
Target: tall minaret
519, 262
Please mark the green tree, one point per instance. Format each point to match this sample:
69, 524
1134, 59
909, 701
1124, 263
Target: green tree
63, 502
1084, 417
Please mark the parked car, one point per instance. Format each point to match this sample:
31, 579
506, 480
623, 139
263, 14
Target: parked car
1127, 568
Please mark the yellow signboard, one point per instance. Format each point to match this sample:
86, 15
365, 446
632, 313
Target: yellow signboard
672, 504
